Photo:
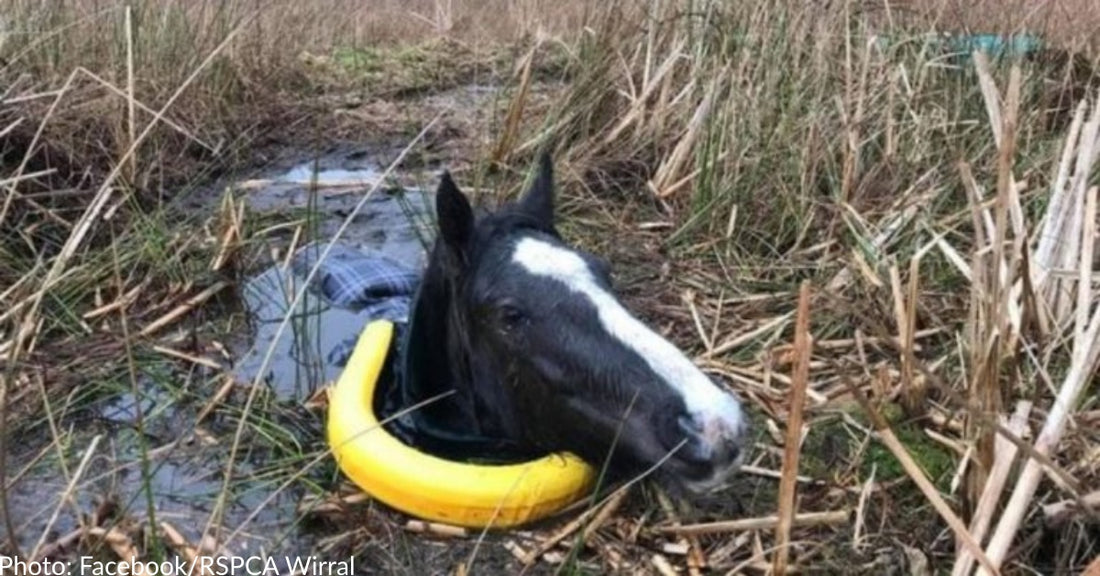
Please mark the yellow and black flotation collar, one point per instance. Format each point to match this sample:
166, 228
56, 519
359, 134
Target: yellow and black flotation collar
427, 486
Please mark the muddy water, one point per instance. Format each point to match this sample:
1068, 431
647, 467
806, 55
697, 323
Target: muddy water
394, 223
186, 470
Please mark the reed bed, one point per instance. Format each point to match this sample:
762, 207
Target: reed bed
883, 242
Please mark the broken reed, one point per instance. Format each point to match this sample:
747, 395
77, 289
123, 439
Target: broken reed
792, 445
994, 316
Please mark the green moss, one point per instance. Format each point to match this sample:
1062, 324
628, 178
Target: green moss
358, 60
936, 460
830, 447
432, 65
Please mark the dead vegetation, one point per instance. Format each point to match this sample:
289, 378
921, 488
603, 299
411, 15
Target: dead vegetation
883, 242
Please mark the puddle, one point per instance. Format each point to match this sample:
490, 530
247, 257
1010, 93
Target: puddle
185, 480
309, 349
395, 221
185, 475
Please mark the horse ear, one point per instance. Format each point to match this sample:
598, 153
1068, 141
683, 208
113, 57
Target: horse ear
538, 202
456, 218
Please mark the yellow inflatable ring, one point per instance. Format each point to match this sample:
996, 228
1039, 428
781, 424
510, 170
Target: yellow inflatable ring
428, 487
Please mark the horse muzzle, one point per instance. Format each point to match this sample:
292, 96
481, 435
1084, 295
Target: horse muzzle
705, 450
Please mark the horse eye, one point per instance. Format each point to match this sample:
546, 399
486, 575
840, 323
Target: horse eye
510, 316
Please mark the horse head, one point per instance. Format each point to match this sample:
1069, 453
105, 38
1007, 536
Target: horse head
531, 334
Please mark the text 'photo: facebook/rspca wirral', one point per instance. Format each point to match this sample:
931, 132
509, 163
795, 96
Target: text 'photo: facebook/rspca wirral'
179, 566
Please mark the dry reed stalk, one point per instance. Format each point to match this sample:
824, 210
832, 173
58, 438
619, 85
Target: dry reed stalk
506, 142
688, 297
980, 331
650, 44
989, 94
613, 504
295, 241
1003, 269
764, 472
840, 343
1084, 273
1058, 512
636, 112
675, 549
180, 544
572, 527
66, 495
189, 305
1082, 170
905, 311
25, 177
861, 508
131, 116
120, 543
16, 286
995, 308
852, 122
436, 528
139, 105
664, 568
1005, 455
805, 519
955, 258
1083, 364
916, 384
180, 355
232, 221
803, 344
690, 544
669, 170
515, 549
1003, 124
124, 301
10, 127
1059, 241
1050, 243
740, 339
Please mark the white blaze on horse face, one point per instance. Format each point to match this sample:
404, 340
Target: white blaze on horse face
718, 413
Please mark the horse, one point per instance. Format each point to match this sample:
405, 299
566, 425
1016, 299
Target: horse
526, 337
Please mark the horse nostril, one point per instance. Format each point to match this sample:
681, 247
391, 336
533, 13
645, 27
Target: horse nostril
689, 426
699, 447
695, 447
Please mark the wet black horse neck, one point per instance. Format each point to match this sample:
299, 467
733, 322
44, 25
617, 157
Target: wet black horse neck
464, 411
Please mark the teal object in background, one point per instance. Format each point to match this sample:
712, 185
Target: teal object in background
995, 45
959, 48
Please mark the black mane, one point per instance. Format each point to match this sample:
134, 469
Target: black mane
433, 358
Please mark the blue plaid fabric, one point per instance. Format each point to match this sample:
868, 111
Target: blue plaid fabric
368, 283
363, 282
